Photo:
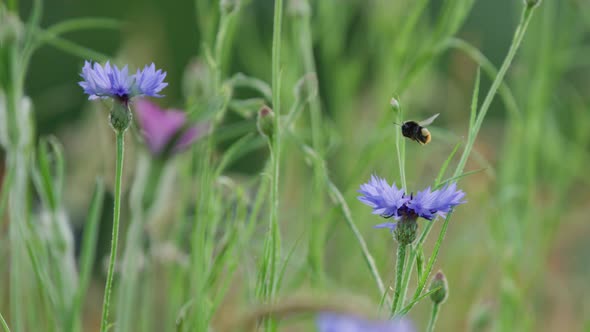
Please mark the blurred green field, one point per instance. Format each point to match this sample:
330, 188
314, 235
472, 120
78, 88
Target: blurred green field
515, 256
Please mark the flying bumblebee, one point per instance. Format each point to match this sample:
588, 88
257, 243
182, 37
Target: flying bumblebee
416, 131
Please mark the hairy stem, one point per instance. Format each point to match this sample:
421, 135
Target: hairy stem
433, 317
115, 237
399, 272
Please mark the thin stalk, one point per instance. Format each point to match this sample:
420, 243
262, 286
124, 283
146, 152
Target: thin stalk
517, 40
4, 324
407, 274
316, 236
276, 149
115, 234
339, 200
399, 272
276, 101
433, 317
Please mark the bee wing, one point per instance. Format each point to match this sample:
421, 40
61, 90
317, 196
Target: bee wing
429, 120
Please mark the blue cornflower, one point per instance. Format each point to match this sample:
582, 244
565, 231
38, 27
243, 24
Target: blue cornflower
112, 82
385, 200
389, 201
330, 322
428, 204
150, 81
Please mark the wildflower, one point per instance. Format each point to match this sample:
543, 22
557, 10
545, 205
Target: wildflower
391, 202
330, 322
166, 131
112, 82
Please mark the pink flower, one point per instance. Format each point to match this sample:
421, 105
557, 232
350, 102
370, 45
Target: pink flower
166, 132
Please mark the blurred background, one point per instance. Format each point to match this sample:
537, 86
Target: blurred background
516, 256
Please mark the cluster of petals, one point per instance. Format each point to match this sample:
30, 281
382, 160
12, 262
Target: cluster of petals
109, 81
389, 201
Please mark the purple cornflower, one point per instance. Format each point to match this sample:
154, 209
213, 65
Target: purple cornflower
389, 201
330, 322
166, 131
112, 82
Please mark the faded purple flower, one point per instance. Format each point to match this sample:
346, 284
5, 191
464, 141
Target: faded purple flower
330, 322
389, 201
166, 131
112, 82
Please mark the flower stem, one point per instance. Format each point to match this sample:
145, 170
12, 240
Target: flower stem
473, 131
276, 147
115, 238
405, 282
433, 317
399, 272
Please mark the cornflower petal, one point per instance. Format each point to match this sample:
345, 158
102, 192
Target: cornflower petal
383, 198
428, 204
150, 82
330, 322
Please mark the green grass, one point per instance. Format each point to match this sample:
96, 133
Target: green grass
241, 232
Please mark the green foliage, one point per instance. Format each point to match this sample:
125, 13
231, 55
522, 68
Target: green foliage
227, 234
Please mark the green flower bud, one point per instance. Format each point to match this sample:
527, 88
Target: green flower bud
196, 80
395, 104
306, 88
299, 8
120, 116
439, 281
265, 122
228, 6
406, 230
11, 28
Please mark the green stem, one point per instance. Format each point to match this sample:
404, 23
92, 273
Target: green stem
399, 271
407, 274
517, 40
4, 325
316, 236
115, 238
433, 317
276, 157
270, 266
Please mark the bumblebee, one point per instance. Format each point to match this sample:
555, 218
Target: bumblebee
416, 130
